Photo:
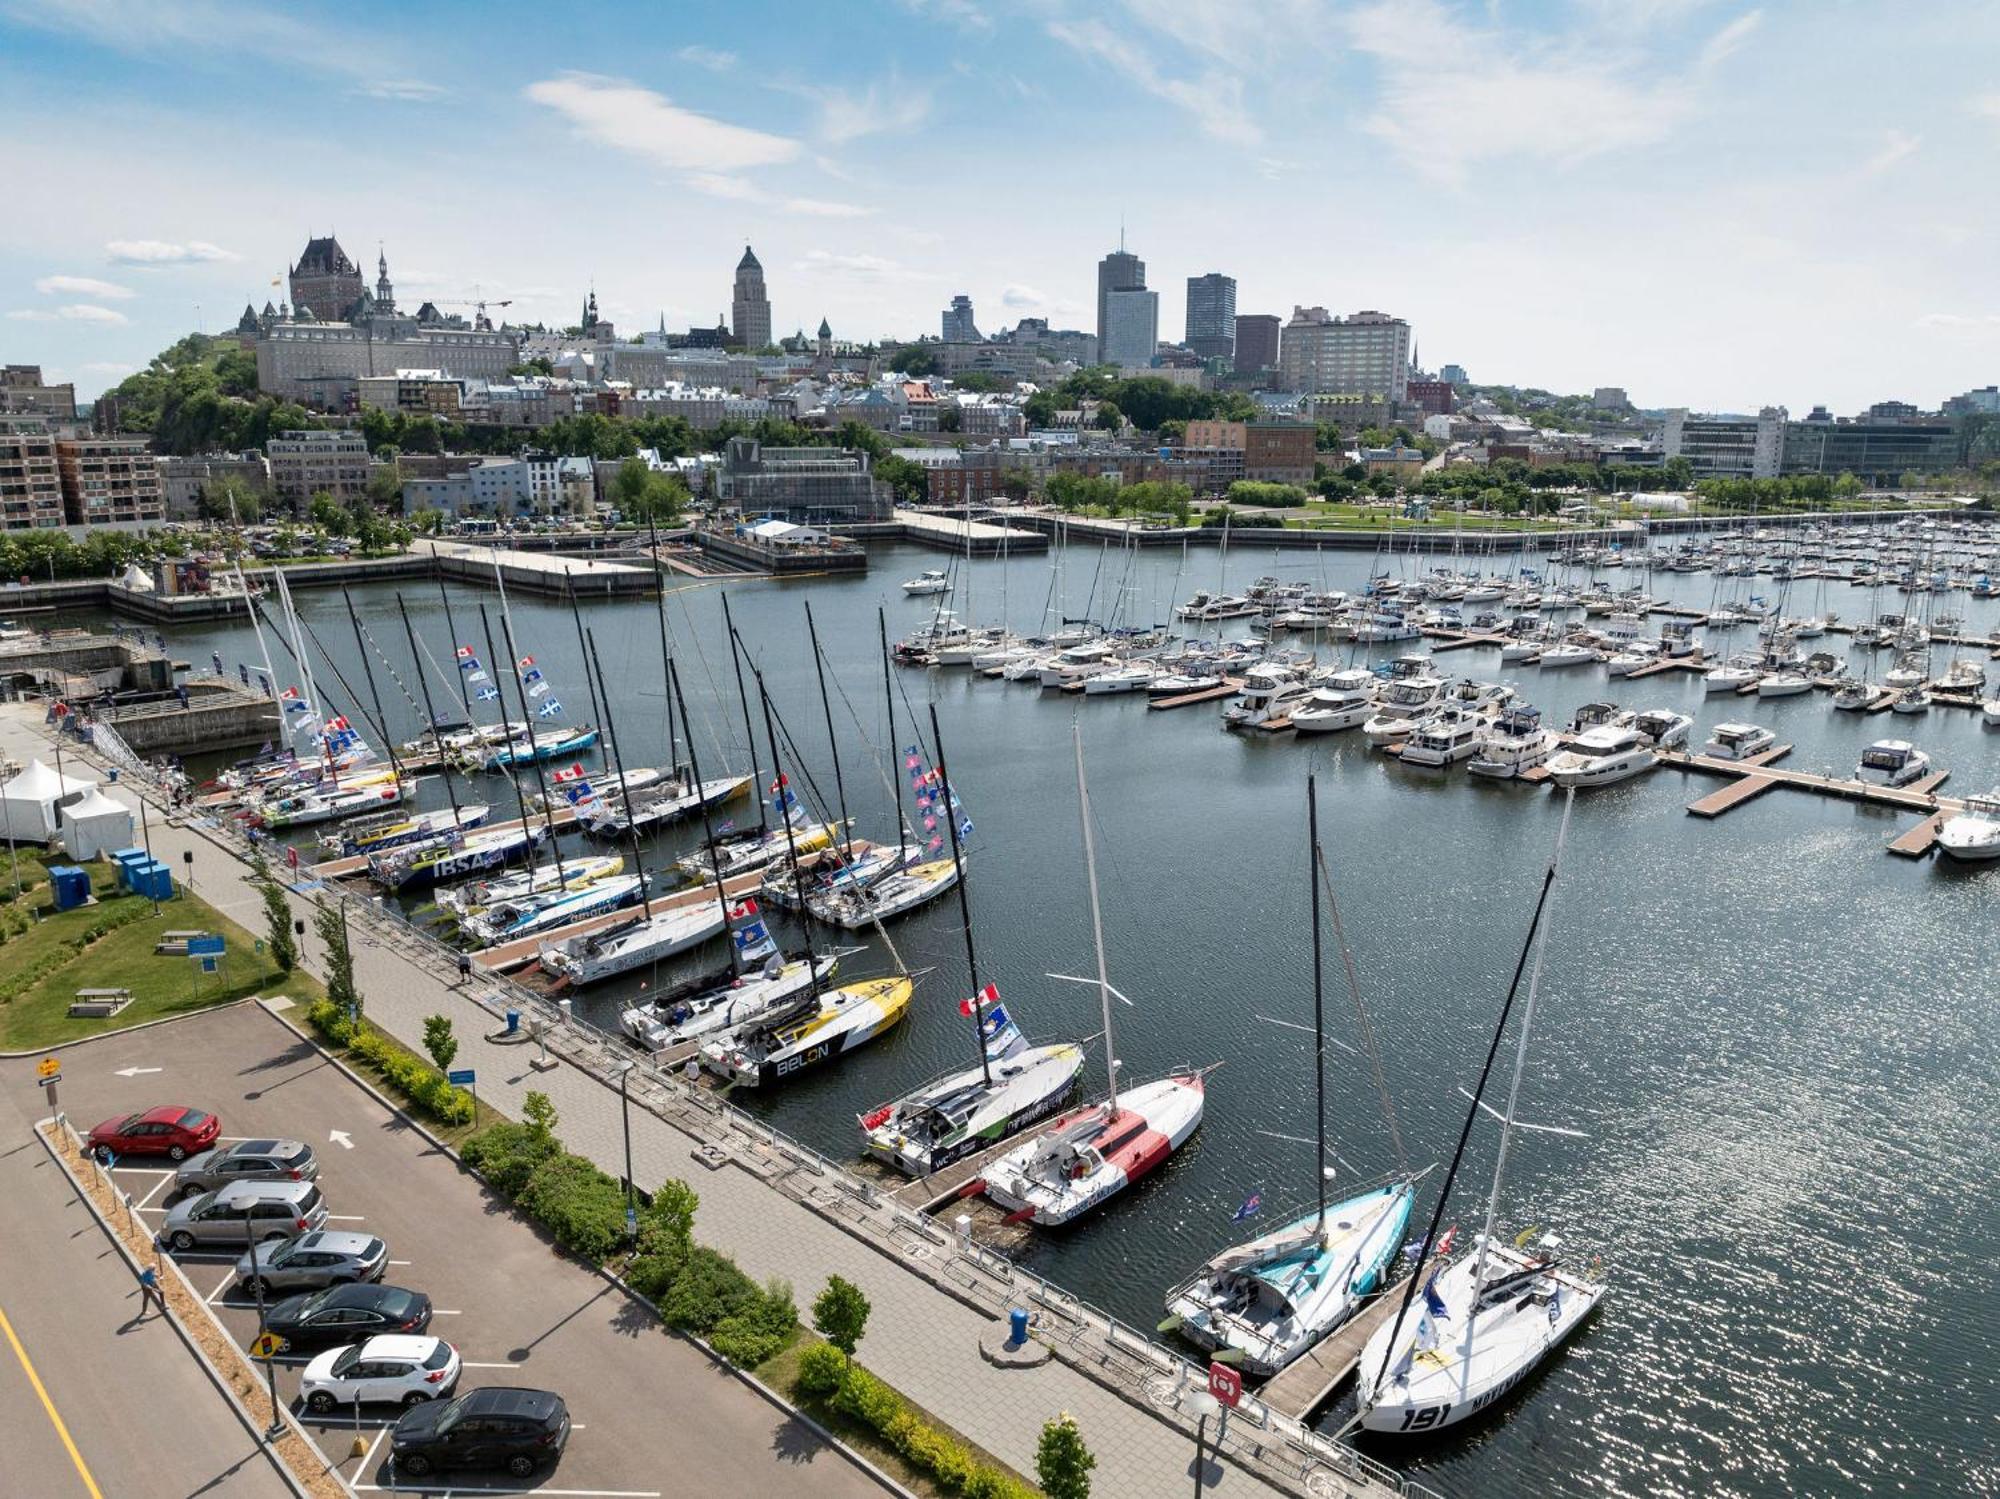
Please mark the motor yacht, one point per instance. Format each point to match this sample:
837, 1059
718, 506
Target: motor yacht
1603, 756
1663, 728
1345, 700
1515, 743
1077, 661
1973, 835
1399, 704
1893, 763
1269, 692
1133, 676
1738, 741
1443, 739
931, 580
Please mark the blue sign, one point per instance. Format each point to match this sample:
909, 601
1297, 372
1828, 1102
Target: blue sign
205, 947
208, 965
462, 1078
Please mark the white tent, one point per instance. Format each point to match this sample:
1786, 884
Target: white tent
28, 802
94, 825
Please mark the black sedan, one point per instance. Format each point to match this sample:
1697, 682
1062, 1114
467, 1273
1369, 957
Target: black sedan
348, 1314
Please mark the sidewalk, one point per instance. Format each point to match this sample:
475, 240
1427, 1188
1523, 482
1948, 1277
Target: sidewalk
920, 1339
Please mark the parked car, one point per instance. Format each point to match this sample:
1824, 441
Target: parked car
313, 1260
247, 1160
394, 1368
172, 1131
244, 1213
496, 1427
347, 1313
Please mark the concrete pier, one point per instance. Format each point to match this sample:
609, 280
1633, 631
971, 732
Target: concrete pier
220, 714
971, 538
539, 572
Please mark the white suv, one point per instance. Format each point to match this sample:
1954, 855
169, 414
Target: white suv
392, 1369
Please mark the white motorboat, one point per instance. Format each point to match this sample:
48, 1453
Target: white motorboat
1399, 703
844, 1020
1603, 756
1662, 728
635, 943
1076, 661
1134, 676
1989, 713
1570, 653
1483, 698
1784, 683
1973, 835
1515, 743
931, 580
1892, 762
1443, 739
1738, 741
1632, 657
1269, 694
1345, 700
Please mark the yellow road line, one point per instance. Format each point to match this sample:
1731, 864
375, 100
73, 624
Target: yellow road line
55, 1420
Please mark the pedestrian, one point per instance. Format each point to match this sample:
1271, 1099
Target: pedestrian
465, 968
150, 1293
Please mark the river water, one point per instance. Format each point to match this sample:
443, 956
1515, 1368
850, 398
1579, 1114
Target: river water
1778, 1040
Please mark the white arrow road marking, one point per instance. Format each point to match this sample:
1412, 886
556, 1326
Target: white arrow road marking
339, 1137
135, 1071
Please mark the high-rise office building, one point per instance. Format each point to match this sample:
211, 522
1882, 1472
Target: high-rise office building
1117, 271
749, 307
1132, 328
1211, 315
1367, 354
958, 326
1257, 342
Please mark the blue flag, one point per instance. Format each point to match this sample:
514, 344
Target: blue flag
548, 709
1434, 1303
1251, 1205
487, 694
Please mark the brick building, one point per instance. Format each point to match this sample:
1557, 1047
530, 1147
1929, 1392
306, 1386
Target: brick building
109, 480
31, 495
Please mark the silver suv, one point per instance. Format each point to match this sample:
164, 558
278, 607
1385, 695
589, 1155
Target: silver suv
247, 1160
244, 1213
313, 1260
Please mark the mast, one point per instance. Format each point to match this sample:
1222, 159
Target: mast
701, 801
785, 817
889, 699
451, 629
624, 794
964, 902
597, 704
832, 740
534, 752
1319, 1015
368, 674
666, 656
743, 696
250, 608
451, 793
1096, 924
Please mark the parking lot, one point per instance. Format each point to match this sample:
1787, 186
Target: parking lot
651, 1414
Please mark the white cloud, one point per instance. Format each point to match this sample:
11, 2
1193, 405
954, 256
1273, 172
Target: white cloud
1987, 105
862, 267
83, 286
966, 13
715, 59
721, 185
738, 190
1022, 296
1214, 98
205, 30
109, 367
1959, 322
1725, 42
165, 252
409, 90
821, 208
885, 108
74, 312
1897, 146
637, 120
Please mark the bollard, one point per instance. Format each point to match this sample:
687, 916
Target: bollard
1017, 1327
567, 1007
963, 1223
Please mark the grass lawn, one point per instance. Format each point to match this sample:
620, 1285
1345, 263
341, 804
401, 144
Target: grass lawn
121, 959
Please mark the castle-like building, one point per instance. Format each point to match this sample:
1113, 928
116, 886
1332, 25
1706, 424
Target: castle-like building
749, 307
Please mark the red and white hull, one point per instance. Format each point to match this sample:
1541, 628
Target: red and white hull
1091, 1155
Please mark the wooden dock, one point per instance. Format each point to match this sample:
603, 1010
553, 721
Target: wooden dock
1753, 777
1695, 662
1308, 1382
507, 956
929, 1194
1443, 641
1920, 840
353, 864
1735, 794
1229, 687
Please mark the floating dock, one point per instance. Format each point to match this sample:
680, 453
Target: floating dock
1308, 1382
1228, 687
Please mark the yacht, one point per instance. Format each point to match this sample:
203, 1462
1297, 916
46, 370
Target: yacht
930, 580
1603, 756
1399, 704
1911, 700
895, 894
1570, 653
745, 852
1515, 743
1485, 698
1089, 1155
1973, 835
367, 835
1633, 656
1853, 695
635, 943
1892, 762
1964, 675
1075, 662
1345, 700
1738, 741
964, 1111
844, 1020
1733, 675
1989, 713
1133, 676
1269, 693
1443, 739
1663, 728
725, 1001
546, 910
1785, 682
574, 873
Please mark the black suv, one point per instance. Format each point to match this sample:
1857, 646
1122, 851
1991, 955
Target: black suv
496, 1427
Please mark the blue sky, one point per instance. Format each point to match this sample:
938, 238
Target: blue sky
1709, 202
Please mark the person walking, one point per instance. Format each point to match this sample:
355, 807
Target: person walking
150, 1294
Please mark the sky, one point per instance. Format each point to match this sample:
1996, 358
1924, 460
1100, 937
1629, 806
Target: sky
1710, 203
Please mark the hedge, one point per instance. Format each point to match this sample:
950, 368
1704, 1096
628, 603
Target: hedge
581, 1207
827, 1374
422, 1084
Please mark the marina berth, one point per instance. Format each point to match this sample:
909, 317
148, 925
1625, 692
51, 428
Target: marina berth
843, 1021
1738, 741
1603, 756
1972, 835
1892, 762
1514, 744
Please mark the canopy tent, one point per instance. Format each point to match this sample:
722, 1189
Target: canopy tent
95, 825
28, 802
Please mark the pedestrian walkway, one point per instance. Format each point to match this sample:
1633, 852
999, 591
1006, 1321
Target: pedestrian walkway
780, 1211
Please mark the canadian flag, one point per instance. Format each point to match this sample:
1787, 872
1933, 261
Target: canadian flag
739, 912
990, 995
337, 723
1445, 1243
464, 652
574, 773
781, 783
526, 662
289, 694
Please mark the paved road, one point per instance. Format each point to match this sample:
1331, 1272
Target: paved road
142, 1415
518, 1312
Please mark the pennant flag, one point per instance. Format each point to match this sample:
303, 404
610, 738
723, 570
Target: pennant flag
930, 824
573, 773
990, 995
912, 762
965, 829
1251, 1205
487, 694
466, 660
936, 844
1450, 1237
465, 653
549, 709
477, 676
292, 857
1434, 1303
532, 674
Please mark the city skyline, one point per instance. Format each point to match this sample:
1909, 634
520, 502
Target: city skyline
1562, 198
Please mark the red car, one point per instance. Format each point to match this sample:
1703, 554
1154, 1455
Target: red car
171, 1131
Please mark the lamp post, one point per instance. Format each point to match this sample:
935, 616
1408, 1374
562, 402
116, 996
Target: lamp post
625, 1112
1203, 1405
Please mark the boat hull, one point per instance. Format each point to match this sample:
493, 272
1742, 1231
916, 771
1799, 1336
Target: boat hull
1152, 1122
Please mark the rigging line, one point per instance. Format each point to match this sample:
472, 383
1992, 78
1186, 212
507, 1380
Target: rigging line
1361, 1011
387, 665
715, 696
457, 692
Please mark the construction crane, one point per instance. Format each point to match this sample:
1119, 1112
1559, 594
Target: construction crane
479, 306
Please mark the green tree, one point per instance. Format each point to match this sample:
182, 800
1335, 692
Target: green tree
277, 918
841, 1314
1040, 408
910, 481
428, 520
385, 486
668, 1220
949, 418
1062, 1462
331, 923
1847, 487
643, 494
217, 499
1109, 417
439, 1041
324, 511
540, 1114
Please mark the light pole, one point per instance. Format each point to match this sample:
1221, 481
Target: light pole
1203, 1405
277, 1426
625, 1111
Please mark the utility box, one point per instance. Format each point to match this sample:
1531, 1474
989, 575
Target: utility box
70, 885
153, 880
127, 859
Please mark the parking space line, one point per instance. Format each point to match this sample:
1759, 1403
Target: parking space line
228, 1280
145, 1170
460, 1488
471, 1364
368, 1457
399, 1262
151, 1194
345, 1218
446, 1311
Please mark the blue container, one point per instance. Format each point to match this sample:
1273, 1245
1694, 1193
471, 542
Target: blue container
128, 860
1017, 1327
71, 886
153, 880
513, 1021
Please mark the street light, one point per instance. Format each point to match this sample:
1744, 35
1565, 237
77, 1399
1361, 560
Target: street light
625, 1111
1203, 1405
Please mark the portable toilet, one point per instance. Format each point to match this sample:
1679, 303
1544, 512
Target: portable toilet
70, 885
128, 860
154, 880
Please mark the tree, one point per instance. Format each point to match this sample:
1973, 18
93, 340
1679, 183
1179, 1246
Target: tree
1040, 408
385, 486
229, 499
643, 494
1846, 487
277, 918
540, 1114
439, 1041
1109, 417
841, 1314
1062, 1462
328, 514
429, 520
910, 481
332, 925
949, 417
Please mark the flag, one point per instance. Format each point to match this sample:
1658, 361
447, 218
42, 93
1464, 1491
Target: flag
936, 844
532, 674
289, 696
466, 660
465, 653
1251, 1205
573, 773
243, 672
990, 995
781, 783
1521, 1238
1434, 1303
487, 694
912, 762
965, 829
216, 657
1445, 1243
477, 676
1555, 1306
337, 723
579, 793
549, 709
930, 824
538, 688
997, 1029
526, 662
745, 908
292, 857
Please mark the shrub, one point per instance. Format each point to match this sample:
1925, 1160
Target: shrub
507, 1154
582, 1208
764, 1327
439, 1041
539, 1113
841, 1313
708, 1289
1062, 1462
821, 1369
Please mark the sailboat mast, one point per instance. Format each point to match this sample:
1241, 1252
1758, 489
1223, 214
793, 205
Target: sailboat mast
666, 656
250, 608
743, 696
451, 629
430, 713
779, 787
1319, 1011
889, 700
832, 739
534, 750
1096, 923
592, 664
597, 703
964, 902
701, 799
374, 692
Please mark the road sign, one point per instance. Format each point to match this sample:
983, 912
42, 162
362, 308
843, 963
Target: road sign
462, 1078
267, 1345
1225, 1384
206, 946
48, 1070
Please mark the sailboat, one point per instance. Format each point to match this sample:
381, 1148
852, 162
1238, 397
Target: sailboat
1264, 1303
1089, 1156
1012, 1086
760, 987
1489, 1319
